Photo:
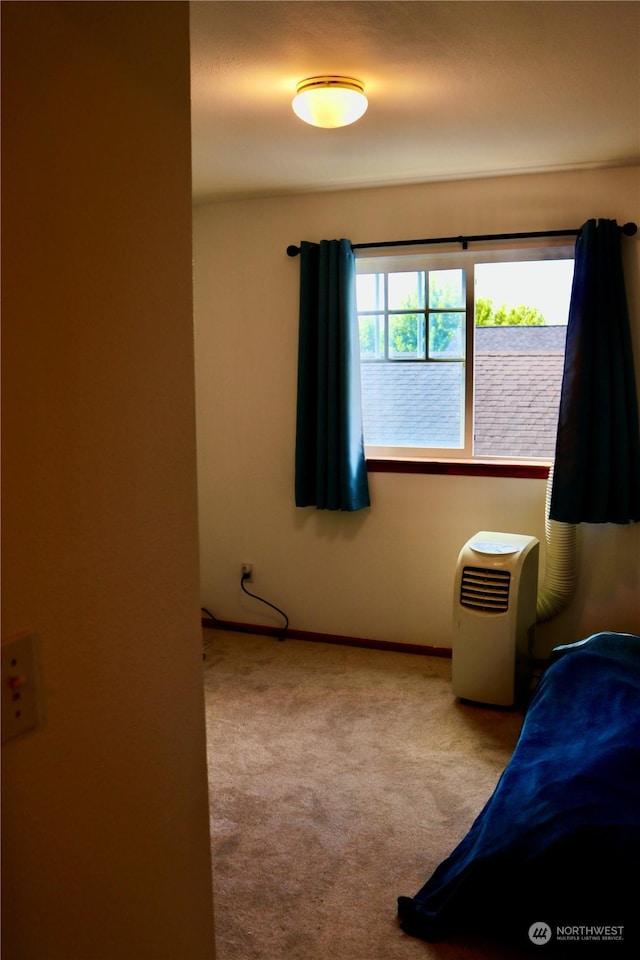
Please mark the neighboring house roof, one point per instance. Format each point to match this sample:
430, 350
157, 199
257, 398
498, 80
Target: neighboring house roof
518, 375
514, 339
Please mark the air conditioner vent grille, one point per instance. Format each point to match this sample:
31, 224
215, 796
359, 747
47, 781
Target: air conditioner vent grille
485, 589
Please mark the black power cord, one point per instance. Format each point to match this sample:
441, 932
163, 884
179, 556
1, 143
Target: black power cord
281, 635
207, 643
208, 613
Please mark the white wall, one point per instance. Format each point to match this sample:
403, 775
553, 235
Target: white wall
384, 573
105, 840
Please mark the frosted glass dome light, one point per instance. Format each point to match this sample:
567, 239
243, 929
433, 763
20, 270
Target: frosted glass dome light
330, 101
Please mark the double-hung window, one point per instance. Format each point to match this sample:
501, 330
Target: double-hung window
462, 352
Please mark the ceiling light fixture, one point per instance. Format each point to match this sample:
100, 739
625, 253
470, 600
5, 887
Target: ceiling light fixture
330, 101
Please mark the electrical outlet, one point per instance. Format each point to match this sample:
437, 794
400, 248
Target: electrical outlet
246, 572
20, 708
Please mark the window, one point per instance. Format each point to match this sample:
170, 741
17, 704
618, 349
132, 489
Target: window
462, 353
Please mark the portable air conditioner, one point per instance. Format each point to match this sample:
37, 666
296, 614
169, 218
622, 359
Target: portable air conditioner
496, 586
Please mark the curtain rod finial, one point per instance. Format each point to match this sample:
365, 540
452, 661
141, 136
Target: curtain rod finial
630, 229
293, 251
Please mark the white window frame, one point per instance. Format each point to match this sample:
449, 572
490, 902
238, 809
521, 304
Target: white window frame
428, 259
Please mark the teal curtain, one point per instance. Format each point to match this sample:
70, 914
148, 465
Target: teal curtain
330, 466
597, 461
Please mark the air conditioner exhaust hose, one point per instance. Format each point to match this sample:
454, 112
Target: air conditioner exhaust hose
559, 581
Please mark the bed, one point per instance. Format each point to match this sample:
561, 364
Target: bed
551, 862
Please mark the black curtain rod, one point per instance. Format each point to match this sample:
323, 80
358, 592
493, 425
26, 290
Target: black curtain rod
628, 229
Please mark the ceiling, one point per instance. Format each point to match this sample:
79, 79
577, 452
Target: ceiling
456, 90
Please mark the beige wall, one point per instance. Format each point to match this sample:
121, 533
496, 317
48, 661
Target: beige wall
105, 841
385, 573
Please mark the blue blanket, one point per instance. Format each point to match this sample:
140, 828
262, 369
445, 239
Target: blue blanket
557, 846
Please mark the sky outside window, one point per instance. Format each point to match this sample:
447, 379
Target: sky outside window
543, 284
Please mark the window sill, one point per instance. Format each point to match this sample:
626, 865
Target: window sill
520, 469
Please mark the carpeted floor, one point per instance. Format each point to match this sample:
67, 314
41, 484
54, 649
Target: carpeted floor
339, 779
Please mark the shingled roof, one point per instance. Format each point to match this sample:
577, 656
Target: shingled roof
518, 376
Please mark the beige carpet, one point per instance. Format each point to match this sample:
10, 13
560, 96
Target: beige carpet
339, 779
